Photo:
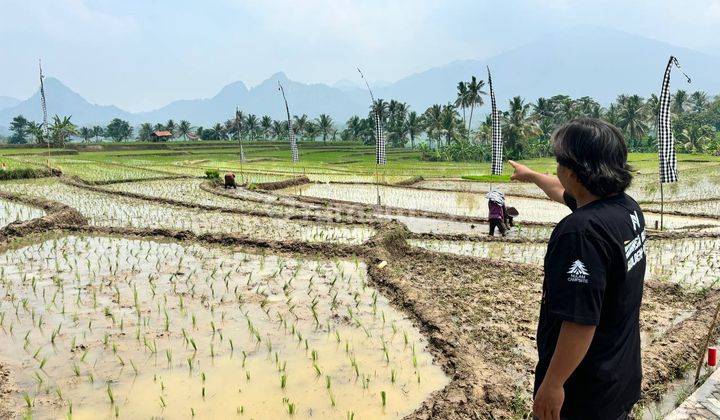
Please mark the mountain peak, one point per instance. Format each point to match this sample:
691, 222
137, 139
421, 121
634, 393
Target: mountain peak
279, 76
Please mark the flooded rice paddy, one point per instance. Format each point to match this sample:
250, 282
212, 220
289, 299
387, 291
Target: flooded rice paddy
101, 326
471, 204
694, 263
98, 327
11, 211
449, 202
115, 211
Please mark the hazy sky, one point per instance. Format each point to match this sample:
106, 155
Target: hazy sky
141, 54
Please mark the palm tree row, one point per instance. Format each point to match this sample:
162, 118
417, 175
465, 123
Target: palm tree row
527, 127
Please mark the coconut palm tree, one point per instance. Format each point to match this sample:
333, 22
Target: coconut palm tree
413, 126
679, 102
544, 108
698, 101
450, 123
278, 128
183, 129
519, 125
219, 131
171, 127
97, 132
461, 100
632, 118
145, 133
299, 124
251, 125
588, 107
612, 114
652, 106
266, 124
86, 134
381, 108
325, 125
433, 125
475, 93
312, 130
567, 110
353, 129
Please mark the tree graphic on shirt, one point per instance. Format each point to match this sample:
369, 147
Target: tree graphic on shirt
578, 269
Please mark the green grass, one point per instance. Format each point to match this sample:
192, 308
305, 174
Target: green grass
487, 178
324, 161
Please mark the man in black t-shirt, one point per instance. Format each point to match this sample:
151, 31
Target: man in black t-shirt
588, 335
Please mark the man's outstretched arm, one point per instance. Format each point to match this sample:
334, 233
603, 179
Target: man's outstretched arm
572, 345
548, 183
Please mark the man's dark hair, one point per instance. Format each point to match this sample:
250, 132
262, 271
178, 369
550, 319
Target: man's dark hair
596, 152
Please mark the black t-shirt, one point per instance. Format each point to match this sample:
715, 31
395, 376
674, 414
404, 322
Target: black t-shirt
594, 273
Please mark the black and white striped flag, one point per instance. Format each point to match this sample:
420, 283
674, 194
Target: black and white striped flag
497, 143
42, 103
291, 132
666, 141
380, 157
238, 119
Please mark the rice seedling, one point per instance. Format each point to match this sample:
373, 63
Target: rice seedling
274, 320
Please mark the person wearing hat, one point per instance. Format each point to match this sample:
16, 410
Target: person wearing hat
496, 211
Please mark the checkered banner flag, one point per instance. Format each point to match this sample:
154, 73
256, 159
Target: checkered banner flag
42, 103
237, 128
291, 132
666, 141
293, 143
380, 157
497, 143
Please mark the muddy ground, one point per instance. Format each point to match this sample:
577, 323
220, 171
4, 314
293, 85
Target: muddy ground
479, 315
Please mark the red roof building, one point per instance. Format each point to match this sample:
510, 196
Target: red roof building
162, 134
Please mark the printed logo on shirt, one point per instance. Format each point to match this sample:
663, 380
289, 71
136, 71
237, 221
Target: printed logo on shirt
635, 219
578, 273
635, 248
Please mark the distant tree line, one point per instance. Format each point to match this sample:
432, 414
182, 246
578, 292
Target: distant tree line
442, 132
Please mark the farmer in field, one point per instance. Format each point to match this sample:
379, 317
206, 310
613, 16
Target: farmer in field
496, 213
588, 335
230, 180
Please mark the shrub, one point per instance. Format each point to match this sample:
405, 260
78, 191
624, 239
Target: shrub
457, 151
24, 173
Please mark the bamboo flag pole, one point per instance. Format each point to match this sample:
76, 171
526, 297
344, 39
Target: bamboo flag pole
44, 112
662, 206
242, 153
293, 143
378, 133
667, 159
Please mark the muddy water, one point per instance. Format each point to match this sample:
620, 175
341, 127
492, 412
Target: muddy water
693, 263
451, 202
481, 187
443, 226
189, 191
521, 253
99, 326
704, 207
115, 211
11, 211
678, 222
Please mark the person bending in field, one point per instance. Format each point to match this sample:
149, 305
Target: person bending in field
588, 336
496, 211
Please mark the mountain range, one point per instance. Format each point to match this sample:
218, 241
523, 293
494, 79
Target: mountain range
596, 62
